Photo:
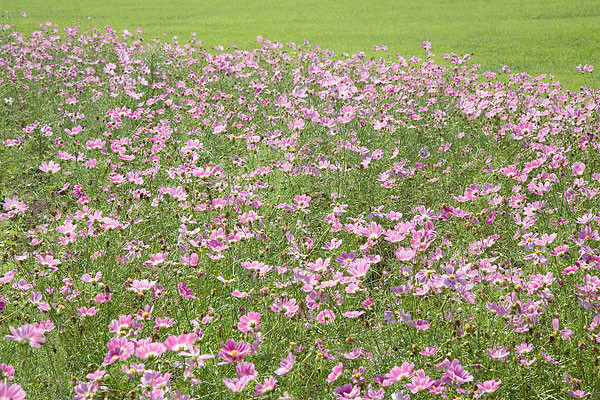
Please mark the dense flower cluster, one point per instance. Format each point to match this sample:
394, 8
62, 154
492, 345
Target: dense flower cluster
286, 222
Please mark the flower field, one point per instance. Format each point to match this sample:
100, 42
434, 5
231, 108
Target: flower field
286, 223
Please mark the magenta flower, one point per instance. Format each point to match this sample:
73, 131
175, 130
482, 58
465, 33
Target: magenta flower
498, 353
285, 365
405, 254
454, 372
428, 351
233, 352
119, 348
27, 333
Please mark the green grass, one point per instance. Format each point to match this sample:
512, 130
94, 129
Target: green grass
535, 36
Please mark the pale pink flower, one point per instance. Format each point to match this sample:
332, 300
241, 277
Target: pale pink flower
27, 333
268, 385
335, 372
11, 392
326, 316
249, 322
285, 365
489, 386
398, 373
50, 167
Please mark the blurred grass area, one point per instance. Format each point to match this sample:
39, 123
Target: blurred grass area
534, 36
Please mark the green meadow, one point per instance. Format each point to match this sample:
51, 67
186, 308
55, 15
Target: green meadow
534, 36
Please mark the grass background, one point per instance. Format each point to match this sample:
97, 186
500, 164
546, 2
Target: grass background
535, 36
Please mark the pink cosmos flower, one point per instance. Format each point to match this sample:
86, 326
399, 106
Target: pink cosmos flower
326, 317
268, 385
85, 390
285, 365
405, 254
245, 369
346, 392
50, 167
163, 323
454, 372
6, 372
119, 348
579, 394
335, 372
489, 386
498, 353
141, 286
27, 333
150, 351
185, 291
249, 322
236, 385
523, 348
428, 351
398, 373
233, 352
11, 392
87, 312
578, 168
420, 382
564, 333
287, 306
180, 343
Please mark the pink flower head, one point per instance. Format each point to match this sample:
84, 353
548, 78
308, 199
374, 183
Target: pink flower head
578, 168
428, 351
27, 333
454, 372
185, 291
180, 343
564, 333
268, 385
11, 392
233, 352
335, 372
249, 322
150, 351
398, 373
285, 365
236, 385
7, 372
119, 348
50, 167
405, 254
420, 382
489, 386
245, 369
326, 316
